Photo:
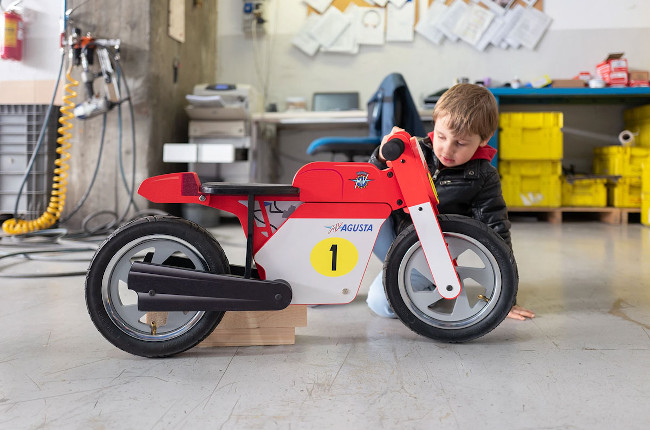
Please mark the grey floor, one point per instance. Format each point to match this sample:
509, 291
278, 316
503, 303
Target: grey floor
583, 363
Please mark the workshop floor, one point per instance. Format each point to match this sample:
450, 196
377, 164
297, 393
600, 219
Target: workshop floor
583, 363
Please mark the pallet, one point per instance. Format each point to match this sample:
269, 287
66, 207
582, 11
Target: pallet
258, 328
607, 215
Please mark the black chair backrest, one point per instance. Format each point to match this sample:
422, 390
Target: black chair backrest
392, 105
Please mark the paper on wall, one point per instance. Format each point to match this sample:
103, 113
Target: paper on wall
371, 25
492, 30
426, 26
347, 43
498, 6
510, 19
473, 23
303, 39
399, 22
319, 5
530, 28
450, 18
330, 27
398, 3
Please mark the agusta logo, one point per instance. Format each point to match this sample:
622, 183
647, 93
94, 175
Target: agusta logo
349, 227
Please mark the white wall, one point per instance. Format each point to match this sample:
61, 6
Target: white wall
583, 32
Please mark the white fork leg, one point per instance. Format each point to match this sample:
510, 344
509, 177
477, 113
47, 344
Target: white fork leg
435, 250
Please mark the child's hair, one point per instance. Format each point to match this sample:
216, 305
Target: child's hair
472, 109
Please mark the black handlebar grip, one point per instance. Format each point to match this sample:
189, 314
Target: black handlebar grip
392, 149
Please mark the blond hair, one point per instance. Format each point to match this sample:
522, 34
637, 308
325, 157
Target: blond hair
472, 109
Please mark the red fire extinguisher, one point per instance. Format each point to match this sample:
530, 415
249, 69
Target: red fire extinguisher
12, 35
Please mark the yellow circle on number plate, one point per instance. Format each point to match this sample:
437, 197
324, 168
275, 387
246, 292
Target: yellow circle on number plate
334, 256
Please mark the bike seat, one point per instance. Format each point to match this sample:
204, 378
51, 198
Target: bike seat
225, 188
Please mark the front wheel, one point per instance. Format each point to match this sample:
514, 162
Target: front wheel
486, 268
113, 307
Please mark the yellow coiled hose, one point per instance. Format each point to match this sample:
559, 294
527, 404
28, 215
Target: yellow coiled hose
59, 186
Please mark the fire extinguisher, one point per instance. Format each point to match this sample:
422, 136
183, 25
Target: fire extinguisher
12, 35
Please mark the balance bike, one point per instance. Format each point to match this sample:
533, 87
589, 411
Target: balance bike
159, 285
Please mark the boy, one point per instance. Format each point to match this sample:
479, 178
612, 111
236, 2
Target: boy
465, 118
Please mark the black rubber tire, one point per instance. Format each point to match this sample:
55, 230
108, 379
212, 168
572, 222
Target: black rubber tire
113, 254
501, 266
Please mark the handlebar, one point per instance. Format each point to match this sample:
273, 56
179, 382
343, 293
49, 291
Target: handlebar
392, 149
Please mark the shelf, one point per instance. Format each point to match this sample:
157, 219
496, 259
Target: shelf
626, 95
607, 215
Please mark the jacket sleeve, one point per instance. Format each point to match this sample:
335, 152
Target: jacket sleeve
490, 207
374, 159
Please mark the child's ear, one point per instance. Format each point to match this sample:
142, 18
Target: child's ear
485, 142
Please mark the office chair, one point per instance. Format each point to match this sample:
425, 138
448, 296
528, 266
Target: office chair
391, 105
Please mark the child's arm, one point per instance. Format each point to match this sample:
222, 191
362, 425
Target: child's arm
490, 207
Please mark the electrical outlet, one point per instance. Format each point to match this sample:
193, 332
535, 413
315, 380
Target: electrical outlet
253, 15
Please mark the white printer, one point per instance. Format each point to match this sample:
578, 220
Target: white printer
219, 132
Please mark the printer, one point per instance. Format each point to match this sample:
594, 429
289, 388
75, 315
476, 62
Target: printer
219, 132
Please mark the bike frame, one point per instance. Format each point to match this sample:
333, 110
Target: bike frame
318, 234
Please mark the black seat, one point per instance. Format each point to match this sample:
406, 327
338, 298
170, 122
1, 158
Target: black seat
224, 188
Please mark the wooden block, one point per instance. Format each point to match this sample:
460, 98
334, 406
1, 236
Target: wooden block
292, 316
258, 328
251, 336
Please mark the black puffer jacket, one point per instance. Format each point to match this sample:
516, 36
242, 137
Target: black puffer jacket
472, 189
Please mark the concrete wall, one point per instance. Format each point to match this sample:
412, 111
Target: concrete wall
147, 58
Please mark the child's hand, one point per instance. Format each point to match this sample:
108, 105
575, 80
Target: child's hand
519, 313
385, 139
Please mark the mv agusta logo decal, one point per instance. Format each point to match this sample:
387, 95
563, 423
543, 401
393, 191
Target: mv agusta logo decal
361, 181
349, 227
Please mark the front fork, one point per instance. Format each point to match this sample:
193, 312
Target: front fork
435, 250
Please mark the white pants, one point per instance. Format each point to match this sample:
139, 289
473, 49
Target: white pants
377, 300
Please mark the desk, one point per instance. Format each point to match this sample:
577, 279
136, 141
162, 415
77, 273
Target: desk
280, 139
626, 97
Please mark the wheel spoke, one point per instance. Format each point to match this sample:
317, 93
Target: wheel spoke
462, 309
419, 263
456, 247
162, 251
177, 319
481, 275
131, 314
425, 299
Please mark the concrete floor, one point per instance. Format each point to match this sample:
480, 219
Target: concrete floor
583, 363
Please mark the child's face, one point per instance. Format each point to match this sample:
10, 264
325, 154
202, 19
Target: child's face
450, 149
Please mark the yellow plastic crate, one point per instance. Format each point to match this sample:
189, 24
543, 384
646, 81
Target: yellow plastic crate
638, 113
530, 167
637, 120
589, 192
620, 160
624, 193
532, 191
531, 119
645, 176
531, 144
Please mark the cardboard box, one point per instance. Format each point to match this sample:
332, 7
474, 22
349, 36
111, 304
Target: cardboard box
568, 83
613, 70
639, 78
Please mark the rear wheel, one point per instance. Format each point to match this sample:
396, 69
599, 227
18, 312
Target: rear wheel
485, 267
113, 308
